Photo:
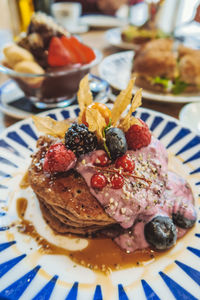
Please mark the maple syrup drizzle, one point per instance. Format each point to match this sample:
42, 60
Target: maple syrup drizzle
24, 182
101, 254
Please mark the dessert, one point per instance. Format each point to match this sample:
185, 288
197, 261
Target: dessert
162, 66
55, 59
109, 177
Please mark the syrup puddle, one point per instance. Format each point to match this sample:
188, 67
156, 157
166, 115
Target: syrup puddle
101, 254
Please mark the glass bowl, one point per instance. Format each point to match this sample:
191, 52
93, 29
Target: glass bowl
55, 88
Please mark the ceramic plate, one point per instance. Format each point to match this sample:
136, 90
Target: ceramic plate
102, 21
109, 70
26, 274
189, 115
113, 37
15, 104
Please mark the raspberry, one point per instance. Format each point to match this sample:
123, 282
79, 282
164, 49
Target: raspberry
117, 181
98, 181
126, 163
102, 160
59, 159
138, 136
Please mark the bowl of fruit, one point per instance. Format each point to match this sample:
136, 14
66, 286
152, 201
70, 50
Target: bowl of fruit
48, 63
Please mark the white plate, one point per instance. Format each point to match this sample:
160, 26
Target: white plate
190, 116
113, 37
15, 104
26, 275
116, 70
77, 29
103, 21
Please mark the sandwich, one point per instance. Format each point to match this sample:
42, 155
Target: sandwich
162, 66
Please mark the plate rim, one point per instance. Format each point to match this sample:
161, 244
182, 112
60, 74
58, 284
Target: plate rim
118, 20
148, 95
122, 44
75, 106
182, 114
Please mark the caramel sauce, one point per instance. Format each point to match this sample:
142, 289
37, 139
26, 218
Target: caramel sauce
101, 254
104, 255
24, 182
21, 207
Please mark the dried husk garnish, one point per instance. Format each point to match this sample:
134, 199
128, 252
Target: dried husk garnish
84, 96
129, 120
122, 101
50, 126
96, 123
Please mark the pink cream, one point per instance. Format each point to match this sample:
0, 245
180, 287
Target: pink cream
138, 201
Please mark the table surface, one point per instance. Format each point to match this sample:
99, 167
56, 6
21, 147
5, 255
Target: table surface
96, 38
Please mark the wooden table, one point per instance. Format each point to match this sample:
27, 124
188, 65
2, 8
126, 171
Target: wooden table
96, 39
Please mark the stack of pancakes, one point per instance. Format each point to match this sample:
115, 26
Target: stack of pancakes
65, 200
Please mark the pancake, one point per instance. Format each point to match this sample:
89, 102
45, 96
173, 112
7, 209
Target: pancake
65, 200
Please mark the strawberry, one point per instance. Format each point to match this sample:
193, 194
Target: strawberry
59, 159
138, 136
58, 55
85, 52
89, 53
74, 54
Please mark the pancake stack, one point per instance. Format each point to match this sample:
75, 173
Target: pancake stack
65, 200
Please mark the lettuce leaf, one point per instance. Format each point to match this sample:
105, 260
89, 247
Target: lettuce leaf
176, 87
166, 83
179, 86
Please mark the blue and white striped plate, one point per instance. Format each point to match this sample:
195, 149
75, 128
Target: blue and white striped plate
24, 274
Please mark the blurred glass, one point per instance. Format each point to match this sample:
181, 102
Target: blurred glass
43, 5
22, 10
26, 10
56, 88
20, 15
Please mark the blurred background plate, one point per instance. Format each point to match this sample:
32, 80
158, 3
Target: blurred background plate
190, 116
113, 37
15, 104
109, 70
102, 21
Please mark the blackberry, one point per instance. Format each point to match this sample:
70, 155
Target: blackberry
80, 140
116, 142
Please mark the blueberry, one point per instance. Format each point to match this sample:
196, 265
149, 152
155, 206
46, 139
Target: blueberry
160, 233
183, 222
116, 142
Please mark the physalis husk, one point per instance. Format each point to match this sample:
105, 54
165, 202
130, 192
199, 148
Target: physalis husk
96, 122
122, 101
129, 120
49, 126
84, 95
